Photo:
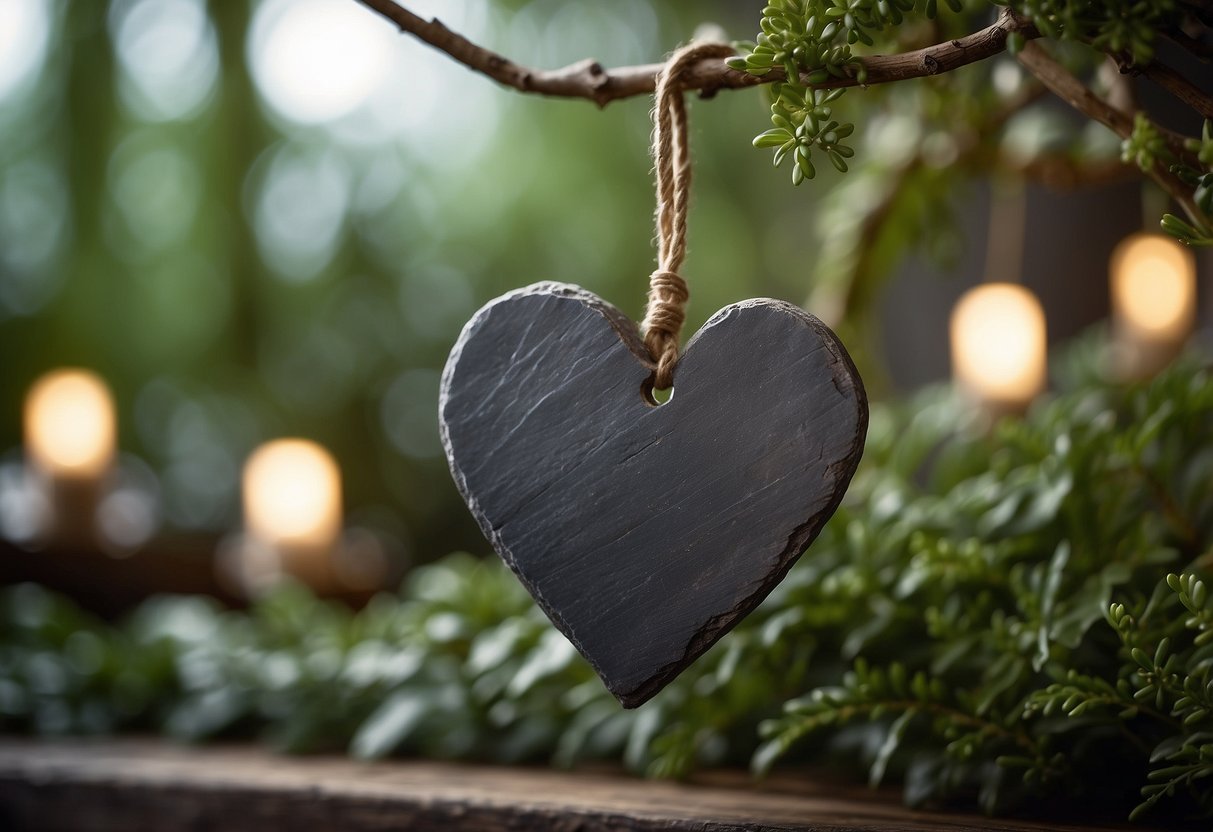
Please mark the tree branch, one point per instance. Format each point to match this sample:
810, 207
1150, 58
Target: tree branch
1180, 87
1075, 93
590, 80
1170, 80
1196, 47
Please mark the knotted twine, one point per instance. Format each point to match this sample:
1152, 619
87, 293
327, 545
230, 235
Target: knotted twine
668, 293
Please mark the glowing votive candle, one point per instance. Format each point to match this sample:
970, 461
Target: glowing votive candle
999, 350
292, 507
1153, 288
70, 439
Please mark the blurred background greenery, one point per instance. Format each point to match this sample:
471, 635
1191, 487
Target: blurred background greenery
268, 218
272, 218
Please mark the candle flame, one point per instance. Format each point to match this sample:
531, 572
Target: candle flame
292, 494
70, 427
999, 344
1153, 281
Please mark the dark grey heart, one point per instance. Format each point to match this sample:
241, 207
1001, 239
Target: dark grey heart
647, 532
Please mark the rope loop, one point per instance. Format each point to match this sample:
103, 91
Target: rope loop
666, 310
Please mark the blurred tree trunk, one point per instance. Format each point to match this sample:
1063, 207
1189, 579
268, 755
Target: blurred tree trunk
241, 134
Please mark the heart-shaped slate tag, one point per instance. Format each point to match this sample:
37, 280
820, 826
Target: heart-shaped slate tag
646, 532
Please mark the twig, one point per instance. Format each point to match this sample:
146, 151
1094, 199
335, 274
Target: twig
1075, 93
590, 80
1169, 80
1180, 87
1196, 47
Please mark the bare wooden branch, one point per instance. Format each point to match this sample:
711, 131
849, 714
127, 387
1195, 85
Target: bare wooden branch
590, 80
1180, 87
1196, 47
1166, 77
1074, 92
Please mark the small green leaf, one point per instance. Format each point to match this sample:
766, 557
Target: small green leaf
772, 138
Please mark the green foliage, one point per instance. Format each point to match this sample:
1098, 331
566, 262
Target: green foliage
238, 276
820, 43
811, 40
1185, 231
1199, 177
802, 119
1048, 641
1203, 147
1120, 28
990, 618
1146, 146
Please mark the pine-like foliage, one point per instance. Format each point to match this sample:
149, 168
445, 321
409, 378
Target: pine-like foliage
1016, 619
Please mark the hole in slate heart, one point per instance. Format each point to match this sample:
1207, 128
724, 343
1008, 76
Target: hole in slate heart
656, 398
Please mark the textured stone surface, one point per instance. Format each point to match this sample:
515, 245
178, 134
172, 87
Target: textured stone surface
646, 532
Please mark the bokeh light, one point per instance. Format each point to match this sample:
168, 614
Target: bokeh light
1154, 286
25, 510
156, 187
272, 218
24, 32
129, 512
315, 61
999, 344
292, 493
168, 56
70, 427
299, 210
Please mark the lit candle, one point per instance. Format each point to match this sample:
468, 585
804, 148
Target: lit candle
292, 507
1153, 287
70, 437
999, 350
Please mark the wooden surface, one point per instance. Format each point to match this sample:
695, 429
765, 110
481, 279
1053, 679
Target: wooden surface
646, 532
111, 586
133, 785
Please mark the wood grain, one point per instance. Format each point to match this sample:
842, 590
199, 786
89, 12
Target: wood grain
647, 532
133, 785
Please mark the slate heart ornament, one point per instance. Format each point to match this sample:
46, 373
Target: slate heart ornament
646, 531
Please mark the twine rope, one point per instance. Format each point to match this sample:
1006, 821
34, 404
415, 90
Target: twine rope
668, 295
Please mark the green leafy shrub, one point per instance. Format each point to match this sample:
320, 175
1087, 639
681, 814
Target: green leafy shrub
1014, 619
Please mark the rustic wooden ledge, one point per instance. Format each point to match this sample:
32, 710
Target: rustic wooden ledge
133, 785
